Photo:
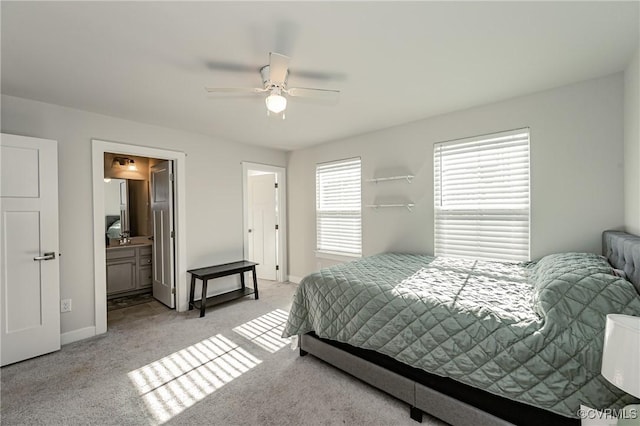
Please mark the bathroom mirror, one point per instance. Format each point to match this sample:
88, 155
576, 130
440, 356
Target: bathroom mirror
126, 207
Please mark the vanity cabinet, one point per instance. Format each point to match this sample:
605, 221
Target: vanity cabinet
129, 270
144, 271
121, 276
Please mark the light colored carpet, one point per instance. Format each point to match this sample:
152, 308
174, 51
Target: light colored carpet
157, 366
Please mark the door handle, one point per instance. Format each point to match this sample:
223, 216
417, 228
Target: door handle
47, 256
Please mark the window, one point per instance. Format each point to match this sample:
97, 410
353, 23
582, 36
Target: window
481, 188
338, 208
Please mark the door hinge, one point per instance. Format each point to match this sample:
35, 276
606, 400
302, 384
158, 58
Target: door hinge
276, 185
277, 227
277, 267
173, 290
173, 234
171, 177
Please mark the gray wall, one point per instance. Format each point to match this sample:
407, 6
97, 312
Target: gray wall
213, 180
632, 145
576, 172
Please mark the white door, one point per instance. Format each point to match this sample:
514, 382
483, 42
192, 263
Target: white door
262, 224
30, 278
162, 221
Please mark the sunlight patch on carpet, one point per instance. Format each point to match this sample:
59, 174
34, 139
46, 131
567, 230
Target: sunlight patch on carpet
266, 330
176, 382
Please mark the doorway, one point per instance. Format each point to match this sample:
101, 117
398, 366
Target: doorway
264, 210
169, 159
139, 214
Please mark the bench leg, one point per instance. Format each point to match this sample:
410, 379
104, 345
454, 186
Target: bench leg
192, 291
255, 282
203, 301
416, 414
242, 279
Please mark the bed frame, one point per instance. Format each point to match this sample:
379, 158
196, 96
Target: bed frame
444, 398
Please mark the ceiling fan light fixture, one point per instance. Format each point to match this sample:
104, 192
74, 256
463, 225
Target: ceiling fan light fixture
276, 103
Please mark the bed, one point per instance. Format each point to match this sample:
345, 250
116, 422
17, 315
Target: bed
474, 342
113, 228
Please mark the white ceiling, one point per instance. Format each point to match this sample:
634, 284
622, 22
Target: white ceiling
394, 62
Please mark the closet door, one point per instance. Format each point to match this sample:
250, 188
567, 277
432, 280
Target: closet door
30, 278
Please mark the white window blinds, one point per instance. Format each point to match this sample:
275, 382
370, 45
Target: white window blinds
481, 188
338, 207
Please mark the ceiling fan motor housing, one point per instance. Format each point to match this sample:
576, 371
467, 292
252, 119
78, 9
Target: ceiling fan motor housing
266, 80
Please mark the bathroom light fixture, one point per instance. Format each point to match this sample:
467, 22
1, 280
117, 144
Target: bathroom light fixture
124, 163
276, 103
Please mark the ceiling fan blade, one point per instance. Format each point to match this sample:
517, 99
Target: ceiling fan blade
308, 92
234, 90
229, 66
318, 75
278, 68
286, 34
235, 67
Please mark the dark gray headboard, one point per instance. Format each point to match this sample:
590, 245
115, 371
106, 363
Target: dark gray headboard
623, 252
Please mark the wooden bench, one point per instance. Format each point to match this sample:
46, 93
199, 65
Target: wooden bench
217, 271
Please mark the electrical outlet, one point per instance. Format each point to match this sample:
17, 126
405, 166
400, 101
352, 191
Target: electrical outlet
65, 305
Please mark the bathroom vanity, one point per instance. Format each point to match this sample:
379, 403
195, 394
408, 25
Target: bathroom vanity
129, 268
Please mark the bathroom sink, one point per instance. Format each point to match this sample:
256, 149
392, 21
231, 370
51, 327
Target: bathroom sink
129, 244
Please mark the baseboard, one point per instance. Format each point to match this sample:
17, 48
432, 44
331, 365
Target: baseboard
75, 335
294, 279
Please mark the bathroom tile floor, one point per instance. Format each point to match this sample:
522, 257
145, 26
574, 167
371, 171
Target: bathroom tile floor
136, 312
127, 301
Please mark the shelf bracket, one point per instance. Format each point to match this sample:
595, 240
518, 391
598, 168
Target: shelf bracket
408, 178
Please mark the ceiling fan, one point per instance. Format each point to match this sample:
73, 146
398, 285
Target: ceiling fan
274, 79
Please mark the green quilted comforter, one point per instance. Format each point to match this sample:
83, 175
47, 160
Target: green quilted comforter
529, 332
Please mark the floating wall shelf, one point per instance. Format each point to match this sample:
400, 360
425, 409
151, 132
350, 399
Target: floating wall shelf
383, 179
408, 206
